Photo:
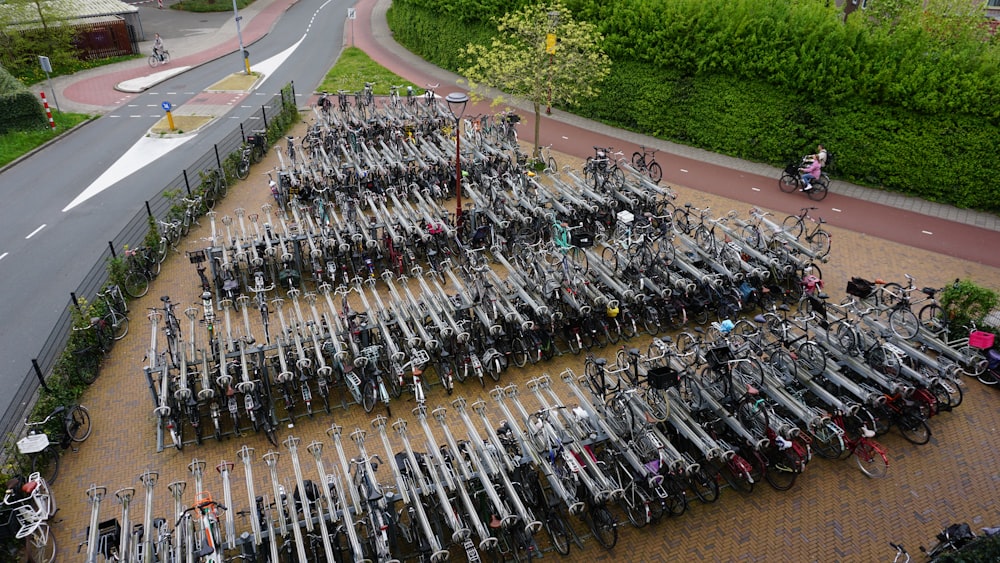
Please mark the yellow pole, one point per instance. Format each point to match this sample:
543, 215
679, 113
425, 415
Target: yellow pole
170, 120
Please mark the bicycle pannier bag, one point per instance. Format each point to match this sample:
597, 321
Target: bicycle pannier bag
860, 287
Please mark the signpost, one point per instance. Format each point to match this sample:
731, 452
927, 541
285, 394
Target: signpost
47, 67
170, 117
352, 15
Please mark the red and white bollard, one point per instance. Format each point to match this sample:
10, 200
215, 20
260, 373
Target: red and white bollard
48, 112
159, 4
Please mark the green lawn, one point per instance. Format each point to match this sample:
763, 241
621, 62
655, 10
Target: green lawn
354, 68
209, 5
16, 143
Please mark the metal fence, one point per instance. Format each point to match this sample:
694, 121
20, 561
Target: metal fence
132, 235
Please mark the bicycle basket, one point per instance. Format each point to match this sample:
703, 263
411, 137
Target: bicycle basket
662, 377
718, 356
583, 240
860, 287
980, 339
792, 168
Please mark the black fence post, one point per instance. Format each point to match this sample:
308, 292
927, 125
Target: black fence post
38, 372
111, 245
263, 112
217, 159
149, 211
75, 300
243, 133
292, 86
187, 184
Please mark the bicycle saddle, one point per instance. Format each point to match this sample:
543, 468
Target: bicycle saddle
633, 351
751, 390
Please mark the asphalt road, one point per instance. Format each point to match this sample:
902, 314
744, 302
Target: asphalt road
44, 252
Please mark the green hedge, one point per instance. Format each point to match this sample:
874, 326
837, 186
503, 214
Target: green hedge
19, 108
940, 157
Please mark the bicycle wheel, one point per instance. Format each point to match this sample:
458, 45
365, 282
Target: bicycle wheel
871, 459
620, 418
153, 60
947, 393
812, 357
689, 392
788, 182
827, 441
842, 337
819, 243
753, 415
792, 225
557, 528
609, 257
604, 526
783, 364
655, 172
780, 474
579, 257
890, 294
77, 423
903, 323
751, 236
617, 177
819, 190
638, 161
633, 503
976, 364
243, 168
932, 318
704, 486
41, 546
735, 475
118, 330
681, 221
46, 464
552, 166
368, 395
136, 284
686, 346
914, 429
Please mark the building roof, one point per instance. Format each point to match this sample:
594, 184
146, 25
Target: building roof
66, 9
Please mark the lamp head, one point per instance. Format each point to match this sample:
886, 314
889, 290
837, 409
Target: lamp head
456, 103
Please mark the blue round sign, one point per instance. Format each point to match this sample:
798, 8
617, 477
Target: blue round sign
166, 106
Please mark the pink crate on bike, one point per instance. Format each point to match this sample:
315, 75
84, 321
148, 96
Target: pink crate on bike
980, 339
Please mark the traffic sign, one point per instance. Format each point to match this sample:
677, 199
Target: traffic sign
166, 106
352, 14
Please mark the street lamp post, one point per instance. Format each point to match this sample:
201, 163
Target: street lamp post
456, 104
239, 35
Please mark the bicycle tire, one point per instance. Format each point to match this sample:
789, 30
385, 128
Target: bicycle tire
77, 423
755, 418
788, 183
779, 475
914, 429
750, 234
553, 167
633, 503
621, 421
575, 346
680, 220
977, 364
819, 191
904, 323
136, 284
931, 317
272, 435
639, 161
703, 485
827, 441
820, 244
153, 61
556, 526
617, 177
690, 392
604, 526
782, 363
793, 226
655, 172
118, 330
842, 337
890, 294
368, 393
46, 464
871, 460
243, 168
733, 473
813, 357
579, 257
947, 393
42, 552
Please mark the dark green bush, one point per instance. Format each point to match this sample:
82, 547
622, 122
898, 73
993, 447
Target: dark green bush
20, 109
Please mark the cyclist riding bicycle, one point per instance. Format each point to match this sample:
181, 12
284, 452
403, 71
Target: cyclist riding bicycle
158, 47
810, 172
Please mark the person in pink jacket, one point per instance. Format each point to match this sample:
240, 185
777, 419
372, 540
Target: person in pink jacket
809, 173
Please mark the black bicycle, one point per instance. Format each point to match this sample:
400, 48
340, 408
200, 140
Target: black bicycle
791, 180
73, 426
644, 163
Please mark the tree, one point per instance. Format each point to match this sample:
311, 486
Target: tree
524, 62
36, 27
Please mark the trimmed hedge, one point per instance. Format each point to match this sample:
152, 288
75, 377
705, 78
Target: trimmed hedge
939, 157
19, 108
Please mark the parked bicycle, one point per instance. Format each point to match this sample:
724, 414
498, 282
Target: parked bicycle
73, 425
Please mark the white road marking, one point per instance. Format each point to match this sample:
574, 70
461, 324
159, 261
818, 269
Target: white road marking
133, 105
565, 137
4, 255
171, 93
152, 105
755, 189
135, 116
268, 66
684, 170
114, 116
35, 232
927, 232
145, 151
835, 209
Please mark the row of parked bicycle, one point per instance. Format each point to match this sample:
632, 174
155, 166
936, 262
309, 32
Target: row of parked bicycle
646, 433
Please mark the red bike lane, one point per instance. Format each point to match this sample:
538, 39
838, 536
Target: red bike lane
922, 231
